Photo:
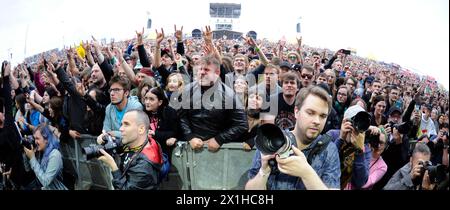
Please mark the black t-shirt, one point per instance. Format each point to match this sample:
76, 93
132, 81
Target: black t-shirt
285, 118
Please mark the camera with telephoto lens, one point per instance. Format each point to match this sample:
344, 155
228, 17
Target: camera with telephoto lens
110, 145
361, 121
270, 139
436, 173
28, 142
403, 128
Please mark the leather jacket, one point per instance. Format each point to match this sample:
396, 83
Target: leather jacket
212, 112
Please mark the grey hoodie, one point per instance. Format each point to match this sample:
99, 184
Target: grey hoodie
111, 123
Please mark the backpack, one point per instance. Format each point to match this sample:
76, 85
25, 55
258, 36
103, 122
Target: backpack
159, 159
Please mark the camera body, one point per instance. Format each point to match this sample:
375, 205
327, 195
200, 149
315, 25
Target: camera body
403, 128
361, 121
436, 173
28, 142
110, 145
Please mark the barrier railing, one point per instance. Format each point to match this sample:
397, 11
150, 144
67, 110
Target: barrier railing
91, 174
225, 169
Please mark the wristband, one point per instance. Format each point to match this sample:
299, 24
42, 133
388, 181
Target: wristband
257, 49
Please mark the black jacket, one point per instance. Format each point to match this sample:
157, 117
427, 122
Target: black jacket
167, 126
10, 148
224, 118
142, 174
75, 107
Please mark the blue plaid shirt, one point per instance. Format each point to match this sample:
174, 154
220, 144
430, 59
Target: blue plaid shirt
326, 164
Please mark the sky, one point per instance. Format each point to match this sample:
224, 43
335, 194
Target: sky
411, 33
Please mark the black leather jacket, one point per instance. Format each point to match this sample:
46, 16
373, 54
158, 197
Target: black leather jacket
141, 175
220, 115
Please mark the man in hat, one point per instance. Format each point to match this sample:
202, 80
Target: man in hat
353, 152
397, 146
285, 67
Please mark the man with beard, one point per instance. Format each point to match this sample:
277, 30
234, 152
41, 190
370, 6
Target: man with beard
210, 114
322, 171
121, 102
99, 81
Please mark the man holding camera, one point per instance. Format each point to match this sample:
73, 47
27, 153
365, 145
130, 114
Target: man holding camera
413, 175
375, 90
297, 171
136, 171
353, 152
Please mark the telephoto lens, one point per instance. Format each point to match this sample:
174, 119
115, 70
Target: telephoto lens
270, 139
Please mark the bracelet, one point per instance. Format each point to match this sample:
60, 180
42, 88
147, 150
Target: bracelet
257, 49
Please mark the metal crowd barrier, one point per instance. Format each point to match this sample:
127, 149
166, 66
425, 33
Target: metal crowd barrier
91, 174
225, 169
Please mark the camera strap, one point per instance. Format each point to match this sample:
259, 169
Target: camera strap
319, 147
133, 158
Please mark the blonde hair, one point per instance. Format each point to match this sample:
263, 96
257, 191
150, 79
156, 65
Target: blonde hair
180, 80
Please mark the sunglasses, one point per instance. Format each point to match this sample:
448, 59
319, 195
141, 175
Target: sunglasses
304, 76
292, 57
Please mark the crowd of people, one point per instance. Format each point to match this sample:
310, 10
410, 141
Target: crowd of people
349, 119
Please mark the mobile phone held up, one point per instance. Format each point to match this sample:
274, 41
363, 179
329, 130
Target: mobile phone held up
346, 52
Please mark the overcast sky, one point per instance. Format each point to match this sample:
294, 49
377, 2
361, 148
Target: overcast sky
412, 33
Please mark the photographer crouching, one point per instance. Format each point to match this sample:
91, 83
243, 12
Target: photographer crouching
136, 170
48, 164
419, 173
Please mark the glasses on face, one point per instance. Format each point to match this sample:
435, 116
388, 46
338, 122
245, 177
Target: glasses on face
115, 90
309, 76
293, 57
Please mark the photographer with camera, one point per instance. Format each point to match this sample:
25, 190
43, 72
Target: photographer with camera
374, 91
136, 170
304, 158
48, 165
418, 174
353, 152
439, 144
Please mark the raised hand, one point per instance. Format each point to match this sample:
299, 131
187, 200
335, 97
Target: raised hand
7, 70
118, 53
208, 34
86, 46
178, 34
250, 41
159, 36
139, 37
299, 41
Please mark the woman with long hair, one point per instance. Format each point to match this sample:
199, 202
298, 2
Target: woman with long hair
163, 119
46, 159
